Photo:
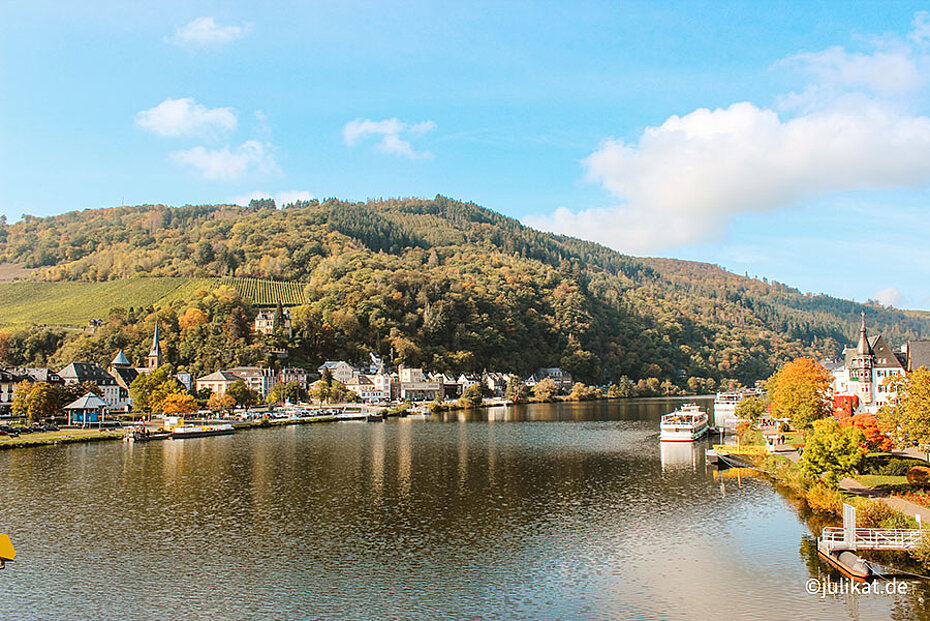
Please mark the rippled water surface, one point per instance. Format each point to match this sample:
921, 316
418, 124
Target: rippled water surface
569, 511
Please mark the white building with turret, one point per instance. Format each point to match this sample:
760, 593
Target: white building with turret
866, 368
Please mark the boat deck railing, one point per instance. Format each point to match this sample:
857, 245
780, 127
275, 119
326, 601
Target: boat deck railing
836, 538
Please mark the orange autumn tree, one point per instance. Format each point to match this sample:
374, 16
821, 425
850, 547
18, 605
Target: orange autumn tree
192, 318
801, 391
875, 440
178, 404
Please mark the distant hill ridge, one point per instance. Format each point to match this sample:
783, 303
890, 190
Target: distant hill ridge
454, 285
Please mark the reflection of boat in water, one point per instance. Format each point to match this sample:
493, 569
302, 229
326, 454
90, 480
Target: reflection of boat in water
678, 456
683, 425
143, 435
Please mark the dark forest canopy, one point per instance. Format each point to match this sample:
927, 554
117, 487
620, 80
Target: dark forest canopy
442, 283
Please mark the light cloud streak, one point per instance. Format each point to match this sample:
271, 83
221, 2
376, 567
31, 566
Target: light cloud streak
389, 132
185, 117
205, 32
251, 157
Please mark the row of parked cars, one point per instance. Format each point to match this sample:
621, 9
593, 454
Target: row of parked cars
11, 431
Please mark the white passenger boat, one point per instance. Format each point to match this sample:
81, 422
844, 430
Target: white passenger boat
725, 407
683, 425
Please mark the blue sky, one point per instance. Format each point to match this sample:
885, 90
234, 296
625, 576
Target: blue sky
789, 141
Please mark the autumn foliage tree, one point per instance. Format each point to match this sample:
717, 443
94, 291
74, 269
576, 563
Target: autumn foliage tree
832, 451
875, 439
545, 390
471, 396
221, 403
36, 401
908, 420
800, 391
178, 404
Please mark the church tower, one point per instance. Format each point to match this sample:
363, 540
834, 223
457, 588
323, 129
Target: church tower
155, 358
861, 370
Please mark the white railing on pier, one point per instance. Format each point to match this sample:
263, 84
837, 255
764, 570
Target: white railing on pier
835, 538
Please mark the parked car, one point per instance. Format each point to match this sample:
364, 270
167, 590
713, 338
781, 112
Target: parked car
51, 428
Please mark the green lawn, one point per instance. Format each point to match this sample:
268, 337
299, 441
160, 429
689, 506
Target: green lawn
60, 437
884, 482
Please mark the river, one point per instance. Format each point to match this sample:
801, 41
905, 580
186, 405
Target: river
556, 511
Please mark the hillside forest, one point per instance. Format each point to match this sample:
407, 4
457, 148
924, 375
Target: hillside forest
440, 283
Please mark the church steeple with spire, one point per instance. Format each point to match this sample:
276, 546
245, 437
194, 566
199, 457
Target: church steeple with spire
861, 368
155, 358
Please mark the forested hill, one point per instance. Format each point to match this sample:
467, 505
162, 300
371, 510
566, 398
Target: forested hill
443, 283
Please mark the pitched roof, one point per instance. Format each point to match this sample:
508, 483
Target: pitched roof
220, 376
11, 376
87, 372
125, 375
884, 355
90, 401
40, 374
120, 360
918, 355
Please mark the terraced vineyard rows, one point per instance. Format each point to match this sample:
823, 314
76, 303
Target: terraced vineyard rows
266, 292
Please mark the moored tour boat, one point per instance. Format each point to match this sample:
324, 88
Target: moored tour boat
686, 424
179, 429
725, 404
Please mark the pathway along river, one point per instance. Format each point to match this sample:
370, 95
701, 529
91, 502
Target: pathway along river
569, 511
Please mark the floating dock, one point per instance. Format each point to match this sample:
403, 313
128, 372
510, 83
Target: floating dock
838, 546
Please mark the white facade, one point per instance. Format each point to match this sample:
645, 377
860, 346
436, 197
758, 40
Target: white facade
341, 371
259, 379
415, 387
371, 388
866, 369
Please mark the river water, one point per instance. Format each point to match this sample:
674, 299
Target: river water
568, 511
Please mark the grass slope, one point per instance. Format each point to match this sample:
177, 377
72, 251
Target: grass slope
25, 303
75, 303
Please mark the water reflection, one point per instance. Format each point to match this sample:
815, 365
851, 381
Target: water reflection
571, 511
681, 455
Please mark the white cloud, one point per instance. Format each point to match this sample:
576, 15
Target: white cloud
921, 32
681, 182
886, 72
205, 32
225, 164
184, 117
280, 198
889, 296
389, 131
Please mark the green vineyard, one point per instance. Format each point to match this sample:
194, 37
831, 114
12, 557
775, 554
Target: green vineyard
266, 292
75, 303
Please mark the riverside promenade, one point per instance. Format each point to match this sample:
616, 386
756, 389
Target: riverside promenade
856, 488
